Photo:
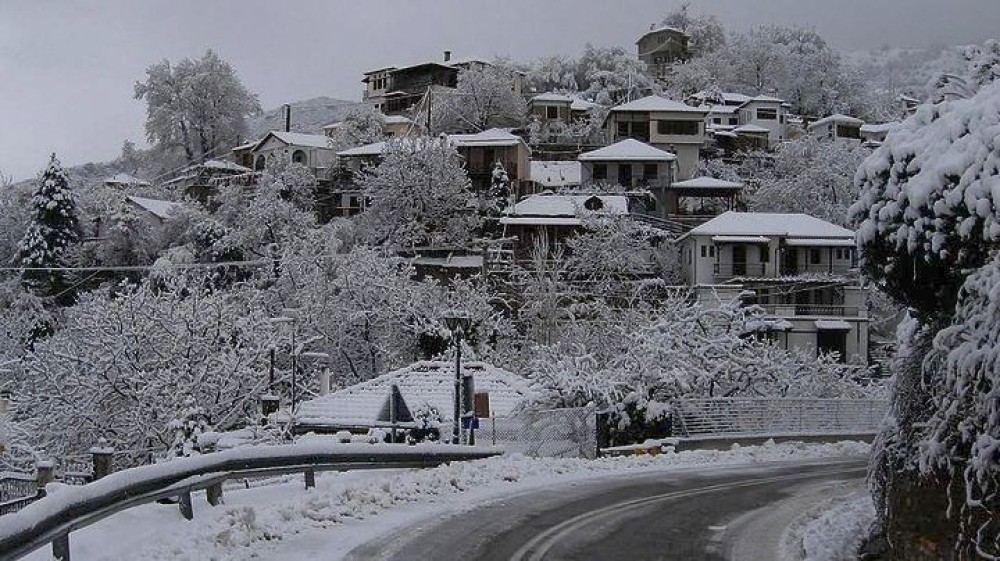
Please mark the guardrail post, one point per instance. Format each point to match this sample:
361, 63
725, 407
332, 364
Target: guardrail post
214, 494
44, 473
187, 511
102, 455
60, 547
310, 478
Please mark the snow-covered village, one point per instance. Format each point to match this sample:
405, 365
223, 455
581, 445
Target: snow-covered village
449, 280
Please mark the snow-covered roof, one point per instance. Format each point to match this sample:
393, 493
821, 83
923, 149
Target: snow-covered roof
491, 137
629, 149
397, 120
723, 109
373, 149
733, 223
751, 129
879, 128
553, 97
728, 98
740, 239
706, 183
765, 99
297, 139
582, 105
427, 382
657, 103
156, 207
218, 165
246, 146
553, 205
819, 242
126, 179
837, 118
556, 174
661, 29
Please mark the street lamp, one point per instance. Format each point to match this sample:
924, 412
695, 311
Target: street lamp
458, 322
290, 320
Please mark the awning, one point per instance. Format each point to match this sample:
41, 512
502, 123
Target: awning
740, 239
832, 325
820, 242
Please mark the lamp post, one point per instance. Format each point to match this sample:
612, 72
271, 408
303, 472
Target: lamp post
290, 319
458, 322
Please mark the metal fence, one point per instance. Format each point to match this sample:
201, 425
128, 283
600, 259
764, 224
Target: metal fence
561, 433
15, 484
777, 417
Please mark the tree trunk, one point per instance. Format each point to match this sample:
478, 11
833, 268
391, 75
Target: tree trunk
917, 525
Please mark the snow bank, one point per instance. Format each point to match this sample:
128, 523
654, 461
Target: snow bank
830, 531
256, 531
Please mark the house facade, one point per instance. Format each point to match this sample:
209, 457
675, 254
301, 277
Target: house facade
661, 47
837, 127
632, 165
546, 220
311, 150
481, 152
663, 123
799, 269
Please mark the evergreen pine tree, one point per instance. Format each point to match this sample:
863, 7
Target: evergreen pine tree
53, 229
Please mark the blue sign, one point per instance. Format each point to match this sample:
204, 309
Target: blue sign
470, 422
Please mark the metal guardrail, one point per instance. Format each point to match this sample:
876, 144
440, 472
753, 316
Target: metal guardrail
52, 519
777, 417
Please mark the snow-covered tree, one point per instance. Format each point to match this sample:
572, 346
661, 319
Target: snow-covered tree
123, 365
191, 422
196, 106
812, 176
420, 194
554, 73
53, 230
611, 251
484, 98
611, 75
705, 31
362, 125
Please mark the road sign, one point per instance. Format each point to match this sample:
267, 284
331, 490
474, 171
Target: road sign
470, 423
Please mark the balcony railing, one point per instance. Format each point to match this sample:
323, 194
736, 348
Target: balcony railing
788, 310
726, 271
822, 269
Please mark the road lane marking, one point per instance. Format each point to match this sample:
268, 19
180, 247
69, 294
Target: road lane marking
539, 546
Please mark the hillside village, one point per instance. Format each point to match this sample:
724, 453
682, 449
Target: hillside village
613, 234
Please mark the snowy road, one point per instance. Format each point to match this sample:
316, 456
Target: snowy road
720, 514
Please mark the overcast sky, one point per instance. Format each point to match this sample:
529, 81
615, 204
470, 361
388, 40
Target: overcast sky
67, 67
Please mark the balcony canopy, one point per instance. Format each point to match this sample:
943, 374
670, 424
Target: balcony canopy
740, 239
820, 242
832, 325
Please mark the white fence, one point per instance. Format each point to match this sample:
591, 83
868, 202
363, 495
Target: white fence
777, 417
560, 433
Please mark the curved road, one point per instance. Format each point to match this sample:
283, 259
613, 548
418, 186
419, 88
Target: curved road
733, 514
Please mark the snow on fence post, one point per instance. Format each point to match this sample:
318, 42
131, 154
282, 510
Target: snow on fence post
184, 503
310, 478
214, 494
60, 547
45, 471
102, 456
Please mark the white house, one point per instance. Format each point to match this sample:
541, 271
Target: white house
311, 150
763, 112
744, 116
798, 268
876, 133
663, 123
633, 165
837, 127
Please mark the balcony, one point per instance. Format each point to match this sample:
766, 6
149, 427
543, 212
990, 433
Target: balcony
728, 271
790, 270
790, 310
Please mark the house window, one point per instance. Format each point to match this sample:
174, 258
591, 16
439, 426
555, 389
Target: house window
299, 157
684, 128
259, 163
814, 256
734, 120
600, 172
711, 251
845, 131
765, 114
765, 253
717, 120
551, 112
640, 130
704, 251
622, 128
649, 172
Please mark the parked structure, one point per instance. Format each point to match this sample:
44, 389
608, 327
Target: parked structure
837, 127
661, 47
800, 270
665, 124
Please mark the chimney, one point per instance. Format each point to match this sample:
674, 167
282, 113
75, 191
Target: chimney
447, 56
288, 117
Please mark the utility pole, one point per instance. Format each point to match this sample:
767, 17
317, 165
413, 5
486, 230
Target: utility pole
430, 98
456, 428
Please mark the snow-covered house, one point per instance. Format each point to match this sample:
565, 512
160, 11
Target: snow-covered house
549, 218
747, 117
836, 127
483, 150
633, 165
873, 133
557, 107
200, 180
660, 47
311, 150
698, 200
665, 124
424, 386
763, 113
126, 181
394, 90
798, 268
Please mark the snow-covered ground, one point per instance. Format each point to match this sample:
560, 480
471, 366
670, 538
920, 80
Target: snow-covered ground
832, 530
286, 521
